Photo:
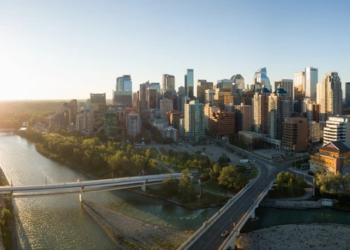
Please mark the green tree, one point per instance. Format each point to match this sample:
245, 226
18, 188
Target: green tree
215, 172
170, 186
186, 187
231, 178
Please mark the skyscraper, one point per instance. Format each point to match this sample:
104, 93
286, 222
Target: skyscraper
337, 128
193, 126
287, 85
299, 89
347, 94
330, 96
98, 103
260, 107
260, 77
311, 79
166, 105
238, 80
189, 83
123, 93
168, 82
202, 86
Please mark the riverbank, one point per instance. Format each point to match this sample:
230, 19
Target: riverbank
8, 229
297, 236
129, 233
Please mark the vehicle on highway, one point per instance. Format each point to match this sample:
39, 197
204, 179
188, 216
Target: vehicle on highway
224, 234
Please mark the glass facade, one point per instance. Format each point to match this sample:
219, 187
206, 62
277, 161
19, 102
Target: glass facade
189, 83
311, 79
261, 77
124, 83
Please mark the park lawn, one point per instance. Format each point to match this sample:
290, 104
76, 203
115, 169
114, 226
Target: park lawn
214, 185
163, 151
253, 174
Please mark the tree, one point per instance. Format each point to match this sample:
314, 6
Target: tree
215, 172
149, 153
186, 187
170, 186
231, 178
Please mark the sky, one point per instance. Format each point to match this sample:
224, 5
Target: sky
68, 49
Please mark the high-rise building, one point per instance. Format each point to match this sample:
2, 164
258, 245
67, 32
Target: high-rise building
189, 83
181, 90
279, 108
287, 85
330, 96
238, 80
73, 106
295, 134
202, 86
168, 82
193, 124
133, 124
152, 95
166, 105
85, 121
260, 107
224, 85
311, 79
243, 117
337, 128
209, 110
135, 99
123, 93
111, 125
299, 89
98, 103
60, 119
222, 123
347, 94
260, 77
209, 96
223, 97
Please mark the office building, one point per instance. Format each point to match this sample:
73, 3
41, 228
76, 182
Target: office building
152, 95
295, 134
337, 129
73, 106
60, 119
224, 85
170, 133
287, 85
222, 123
174, 117
85, 121
133, 124
347, 95
209, 110
279, 108
260, 110
311, 79
184, 100
333, 157
243, 117
168, 82
238, 80
193, 124
98, 103
209, 97
165, 106
111, 126
123, 92
223, 97
202, 86
181, 90
135, 99
299, 89
260, 79
160, 124
330, 96
189, 83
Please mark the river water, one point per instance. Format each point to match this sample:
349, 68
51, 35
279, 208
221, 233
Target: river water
59, 222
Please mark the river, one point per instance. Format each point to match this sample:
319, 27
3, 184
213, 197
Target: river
59, 222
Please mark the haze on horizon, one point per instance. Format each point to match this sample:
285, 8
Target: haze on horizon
69, 49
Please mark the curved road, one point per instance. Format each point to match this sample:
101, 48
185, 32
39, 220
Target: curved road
211, 239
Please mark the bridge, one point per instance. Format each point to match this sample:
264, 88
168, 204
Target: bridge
238, 209
82, 187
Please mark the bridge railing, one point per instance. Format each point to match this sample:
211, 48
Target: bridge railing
236, 230
217, 215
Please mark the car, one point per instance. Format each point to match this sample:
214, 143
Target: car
224, 234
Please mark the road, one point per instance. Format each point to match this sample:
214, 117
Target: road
211, 239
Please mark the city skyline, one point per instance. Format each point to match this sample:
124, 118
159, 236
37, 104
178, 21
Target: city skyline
68, 50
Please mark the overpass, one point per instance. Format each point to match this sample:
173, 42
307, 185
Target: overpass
238, 210
82, 187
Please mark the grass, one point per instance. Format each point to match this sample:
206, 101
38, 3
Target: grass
214, 185
253, 174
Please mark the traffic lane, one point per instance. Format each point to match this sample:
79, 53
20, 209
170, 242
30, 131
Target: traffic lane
212, 238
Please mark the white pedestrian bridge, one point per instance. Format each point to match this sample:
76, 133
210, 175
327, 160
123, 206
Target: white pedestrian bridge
86, 186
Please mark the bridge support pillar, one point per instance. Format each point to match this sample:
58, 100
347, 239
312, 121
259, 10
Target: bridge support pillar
81, 197
143, 187
252, 214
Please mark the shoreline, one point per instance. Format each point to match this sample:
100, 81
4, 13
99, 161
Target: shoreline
321, 236
129, 233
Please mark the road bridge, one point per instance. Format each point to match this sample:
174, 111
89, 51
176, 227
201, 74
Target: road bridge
82, 187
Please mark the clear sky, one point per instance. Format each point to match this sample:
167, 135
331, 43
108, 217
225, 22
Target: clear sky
67, 49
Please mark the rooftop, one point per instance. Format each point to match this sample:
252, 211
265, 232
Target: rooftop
336, 146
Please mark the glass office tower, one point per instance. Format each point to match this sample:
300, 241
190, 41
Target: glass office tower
260, 76
311, 79
189, 83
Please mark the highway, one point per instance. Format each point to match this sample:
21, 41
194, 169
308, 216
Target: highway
211, 238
